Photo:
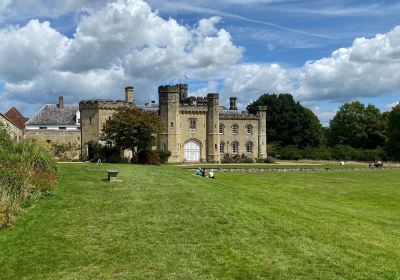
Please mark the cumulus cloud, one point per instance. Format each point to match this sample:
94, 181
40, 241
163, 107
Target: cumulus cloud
248, 81
369, 68
122, 42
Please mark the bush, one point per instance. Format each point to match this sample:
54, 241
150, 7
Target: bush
246, 160
228, 159
164, 155
317, 153
291, 153
27, 170
270, 159
148, 157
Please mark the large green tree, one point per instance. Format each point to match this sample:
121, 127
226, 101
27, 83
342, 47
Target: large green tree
357, 126
288, 122
132, 129
393, 146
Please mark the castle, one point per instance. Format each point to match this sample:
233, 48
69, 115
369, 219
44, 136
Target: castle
194, 128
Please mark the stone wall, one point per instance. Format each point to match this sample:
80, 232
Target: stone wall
69, 137
242, 137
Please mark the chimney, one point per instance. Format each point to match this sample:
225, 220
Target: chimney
232, 103
129, 95
61, 102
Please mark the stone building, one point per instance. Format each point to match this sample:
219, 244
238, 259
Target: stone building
194, 128
13, 129
56, 123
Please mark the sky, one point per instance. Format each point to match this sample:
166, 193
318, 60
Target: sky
323, 52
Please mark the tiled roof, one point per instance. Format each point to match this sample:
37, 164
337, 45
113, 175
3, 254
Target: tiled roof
16, 117
50, 114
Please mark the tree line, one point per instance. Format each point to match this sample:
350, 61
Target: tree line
356, 132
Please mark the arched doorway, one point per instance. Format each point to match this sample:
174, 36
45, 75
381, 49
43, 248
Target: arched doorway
192, 151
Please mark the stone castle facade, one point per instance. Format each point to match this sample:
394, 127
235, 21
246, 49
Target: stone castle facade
194, 128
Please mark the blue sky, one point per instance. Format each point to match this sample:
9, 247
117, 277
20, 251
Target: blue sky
323, 52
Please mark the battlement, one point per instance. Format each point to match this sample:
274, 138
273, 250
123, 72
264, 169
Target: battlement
213, 96
104, 104
168, 89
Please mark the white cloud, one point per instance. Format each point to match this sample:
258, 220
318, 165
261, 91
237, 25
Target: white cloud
248, 81
29, 51
390, 106
369, 68
123, 42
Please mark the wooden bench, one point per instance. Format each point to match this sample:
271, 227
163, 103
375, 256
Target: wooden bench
112, 175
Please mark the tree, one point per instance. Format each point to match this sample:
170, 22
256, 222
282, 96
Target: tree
357, 126
393, 145
132, 129
288, 122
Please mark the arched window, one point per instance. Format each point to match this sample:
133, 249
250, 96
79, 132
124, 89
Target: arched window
249, 147
235, 148
192, 124
249, 129
235, 129
221, 128
222, 148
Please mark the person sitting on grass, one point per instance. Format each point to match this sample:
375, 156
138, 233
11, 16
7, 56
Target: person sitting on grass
199, 172
211, 174
203, 172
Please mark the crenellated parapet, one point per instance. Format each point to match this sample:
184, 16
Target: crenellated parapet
102, 104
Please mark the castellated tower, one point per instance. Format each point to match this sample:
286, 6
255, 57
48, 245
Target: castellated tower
262, 131
169, 115
212, 128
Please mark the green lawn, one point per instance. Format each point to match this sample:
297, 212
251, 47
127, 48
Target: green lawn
164, 223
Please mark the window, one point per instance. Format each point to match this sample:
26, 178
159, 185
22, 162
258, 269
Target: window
249, 147
172, 124
235, 129
43, 127
249, 129
222, 148
221, 128
192, 124
90, 120
62, 128
235, 148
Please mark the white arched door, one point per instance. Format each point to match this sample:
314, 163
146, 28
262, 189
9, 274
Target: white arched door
192, 151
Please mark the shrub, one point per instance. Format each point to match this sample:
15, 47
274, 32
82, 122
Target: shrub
269, 159
291, 153
164, 155
273, 149
148, 157
246, 160
27, 170
317, 153
228, 159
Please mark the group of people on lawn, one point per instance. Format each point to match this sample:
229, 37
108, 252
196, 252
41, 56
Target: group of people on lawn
202, 172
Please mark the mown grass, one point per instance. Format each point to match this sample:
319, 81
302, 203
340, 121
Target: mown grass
164, 223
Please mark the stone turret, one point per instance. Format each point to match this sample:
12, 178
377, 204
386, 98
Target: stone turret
262, 131
212, 128
130, 95
169, 114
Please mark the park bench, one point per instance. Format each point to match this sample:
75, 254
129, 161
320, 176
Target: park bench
112, 175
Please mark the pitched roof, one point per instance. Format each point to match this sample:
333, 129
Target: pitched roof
51, 114
16, 117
